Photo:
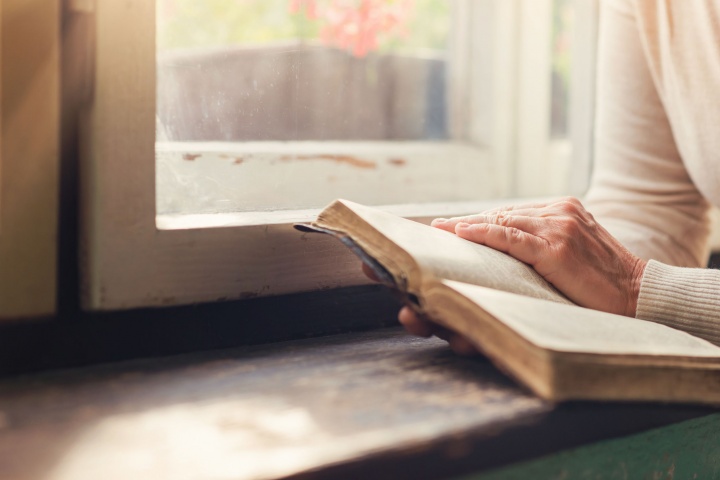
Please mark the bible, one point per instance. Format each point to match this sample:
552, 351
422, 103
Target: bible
519, 321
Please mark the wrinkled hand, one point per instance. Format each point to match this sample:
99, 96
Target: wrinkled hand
564, 244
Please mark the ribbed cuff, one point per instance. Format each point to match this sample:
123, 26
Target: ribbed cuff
684, 298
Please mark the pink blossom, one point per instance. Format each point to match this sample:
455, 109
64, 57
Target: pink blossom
308, 6
357, 26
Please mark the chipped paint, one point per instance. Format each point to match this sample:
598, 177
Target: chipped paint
398, 162
191, 156
344, 159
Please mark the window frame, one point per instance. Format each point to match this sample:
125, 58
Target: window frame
129, 262
29, 157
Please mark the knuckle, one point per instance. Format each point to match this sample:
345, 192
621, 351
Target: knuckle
496, 210
513, 235
567, 208
590, 220
493, 218
571, 206
502, 219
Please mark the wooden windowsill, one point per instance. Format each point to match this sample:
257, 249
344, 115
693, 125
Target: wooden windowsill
380, 404
422, 212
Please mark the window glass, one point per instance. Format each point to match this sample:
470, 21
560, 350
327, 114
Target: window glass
563, 15
283, 70
288, 104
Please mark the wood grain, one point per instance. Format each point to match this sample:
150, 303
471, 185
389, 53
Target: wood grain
372, 405
29, 158
259, 413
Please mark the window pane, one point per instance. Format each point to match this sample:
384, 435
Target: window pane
259, 70
561, 60
288, 104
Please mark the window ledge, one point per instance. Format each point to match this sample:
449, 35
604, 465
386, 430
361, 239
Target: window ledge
423, 212
370, 405
228, 177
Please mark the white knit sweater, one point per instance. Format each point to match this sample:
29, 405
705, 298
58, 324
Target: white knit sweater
658, 151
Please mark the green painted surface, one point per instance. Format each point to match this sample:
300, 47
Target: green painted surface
687, 450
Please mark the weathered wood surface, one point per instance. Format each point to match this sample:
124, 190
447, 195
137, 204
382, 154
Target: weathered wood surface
378, 404
261, 412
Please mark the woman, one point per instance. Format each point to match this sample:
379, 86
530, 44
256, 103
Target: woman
656, 173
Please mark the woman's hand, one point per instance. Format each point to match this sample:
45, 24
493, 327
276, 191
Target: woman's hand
422, 327
563, 243
566, 246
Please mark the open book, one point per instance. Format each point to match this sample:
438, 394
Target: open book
527, 328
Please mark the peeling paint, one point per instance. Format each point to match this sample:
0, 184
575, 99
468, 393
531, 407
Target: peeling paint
191, 156
346, 159
398, 162
238, 160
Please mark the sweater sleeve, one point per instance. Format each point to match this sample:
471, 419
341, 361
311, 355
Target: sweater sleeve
684, 298
640, 190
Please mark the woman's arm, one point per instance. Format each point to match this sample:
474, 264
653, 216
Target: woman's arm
640, 190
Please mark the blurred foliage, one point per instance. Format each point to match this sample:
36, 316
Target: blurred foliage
563, 18
562, 25
428, 28
213, 23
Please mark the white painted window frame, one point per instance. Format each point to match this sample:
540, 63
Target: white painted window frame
132, 258
29, 157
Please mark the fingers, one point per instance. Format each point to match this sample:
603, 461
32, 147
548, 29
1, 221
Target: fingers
528, 216
414, 324
462, 346
522, 245
521, 222
523, 209
498, 215
420, 327
533, 206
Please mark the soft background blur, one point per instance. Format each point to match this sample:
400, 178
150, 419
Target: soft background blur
302, 70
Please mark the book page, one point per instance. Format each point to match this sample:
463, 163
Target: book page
448, 256
569, 328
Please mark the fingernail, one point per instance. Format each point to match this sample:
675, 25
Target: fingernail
439, 220
462, 226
